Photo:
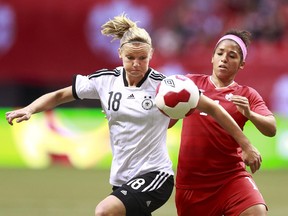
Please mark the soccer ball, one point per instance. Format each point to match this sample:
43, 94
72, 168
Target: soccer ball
177, 96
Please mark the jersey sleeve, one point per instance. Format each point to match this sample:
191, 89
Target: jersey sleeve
84, 88
257, 104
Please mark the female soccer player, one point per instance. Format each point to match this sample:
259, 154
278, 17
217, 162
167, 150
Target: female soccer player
141, 171
211, 176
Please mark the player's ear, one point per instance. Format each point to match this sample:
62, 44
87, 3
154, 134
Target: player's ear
242, 64
212, 57
119, 53
151, 53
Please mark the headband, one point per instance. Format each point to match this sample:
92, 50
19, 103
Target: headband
134, 41
238, 40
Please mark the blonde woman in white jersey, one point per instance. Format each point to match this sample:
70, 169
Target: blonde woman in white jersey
141, 171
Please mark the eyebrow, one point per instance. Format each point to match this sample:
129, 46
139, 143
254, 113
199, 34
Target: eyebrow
222, 49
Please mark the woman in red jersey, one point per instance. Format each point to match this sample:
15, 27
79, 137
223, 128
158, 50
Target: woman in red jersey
211, 176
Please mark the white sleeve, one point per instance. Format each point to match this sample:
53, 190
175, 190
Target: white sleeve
84, 88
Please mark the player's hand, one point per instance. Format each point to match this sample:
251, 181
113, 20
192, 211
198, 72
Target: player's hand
242, 104
252, 158
20, 115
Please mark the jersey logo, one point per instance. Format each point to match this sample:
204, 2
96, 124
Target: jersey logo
124, 192
147, 103
131, 96
148, 203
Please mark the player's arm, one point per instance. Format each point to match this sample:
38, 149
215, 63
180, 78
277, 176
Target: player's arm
172, 122
251, 156
45, 102
265, 124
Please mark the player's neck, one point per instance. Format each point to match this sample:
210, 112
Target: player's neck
133, 81
219, 83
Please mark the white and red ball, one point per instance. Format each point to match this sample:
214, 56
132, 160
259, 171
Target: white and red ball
177, 96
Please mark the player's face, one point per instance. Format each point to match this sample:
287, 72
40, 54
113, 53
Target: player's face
136, 58
226, 61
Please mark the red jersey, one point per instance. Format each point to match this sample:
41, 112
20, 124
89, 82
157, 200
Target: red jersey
208, 155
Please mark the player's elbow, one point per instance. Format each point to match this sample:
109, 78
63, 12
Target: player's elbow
271, 132
273, 128
269, 128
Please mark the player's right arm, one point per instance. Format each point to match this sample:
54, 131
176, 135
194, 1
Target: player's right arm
250, 155
45, 102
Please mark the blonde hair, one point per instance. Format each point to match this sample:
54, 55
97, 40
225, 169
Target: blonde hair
121, 27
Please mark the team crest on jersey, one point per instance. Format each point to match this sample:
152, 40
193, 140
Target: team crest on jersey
229, 96
147, 103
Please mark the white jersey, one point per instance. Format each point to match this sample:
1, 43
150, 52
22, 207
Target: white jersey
138, 129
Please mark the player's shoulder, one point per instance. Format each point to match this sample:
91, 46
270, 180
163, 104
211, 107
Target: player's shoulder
197, 76
156, 75
247, 89
106, 72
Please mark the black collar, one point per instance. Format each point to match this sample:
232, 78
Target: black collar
139, 83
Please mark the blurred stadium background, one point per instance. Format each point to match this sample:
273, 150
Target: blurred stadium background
58, 163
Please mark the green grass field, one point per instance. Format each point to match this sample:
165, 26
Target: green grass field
62, 191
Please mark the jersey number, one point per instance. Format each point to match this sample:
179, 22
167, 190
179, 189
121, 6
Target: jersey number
114, 100
136, 183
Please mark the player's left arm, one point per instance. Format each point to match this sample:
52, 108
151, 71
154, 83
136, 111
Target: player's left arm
172, 122
265, 124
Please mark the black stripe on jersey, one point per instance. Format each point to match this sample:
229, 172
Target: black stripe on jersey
157, 182
141, 81
157, 76
103, 72
73, 88
144, 78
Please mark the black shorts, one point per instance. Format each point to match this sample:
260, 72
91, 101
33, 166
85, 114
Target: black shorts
146, 193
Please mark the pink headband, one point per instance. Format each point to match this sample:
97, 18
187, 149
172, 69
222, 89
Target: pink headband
238, 40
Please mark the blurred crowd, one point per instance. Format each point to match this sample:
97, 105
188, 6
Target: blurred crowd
197, 22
